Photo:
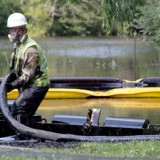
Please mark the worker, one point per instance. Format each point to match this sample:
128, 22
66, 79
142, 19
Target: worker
29, 64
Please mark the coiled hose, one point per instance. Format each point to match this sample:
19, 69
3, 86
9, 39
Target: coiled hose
47, 135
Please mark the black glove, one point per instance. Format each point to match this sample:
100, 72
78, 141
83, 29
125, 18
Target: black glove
12, 77
10, 86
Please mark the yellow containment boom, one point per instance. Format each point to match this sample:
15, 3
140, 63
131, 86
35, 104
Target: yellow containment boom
58, 93
86, 87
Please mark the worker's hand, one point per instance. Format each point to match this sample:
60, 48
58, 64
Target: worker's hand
11, 86
12, 77
15, 84
8, 87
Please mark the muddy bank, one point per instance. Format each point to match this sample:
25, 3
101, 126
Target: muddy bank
36, 144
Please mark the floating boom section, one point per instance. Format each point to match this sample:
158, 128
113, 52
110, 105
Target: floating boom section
87, 87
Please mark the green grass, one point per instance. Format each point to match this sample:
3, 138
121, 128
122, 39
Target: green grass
23, 158
134, 149
145, 149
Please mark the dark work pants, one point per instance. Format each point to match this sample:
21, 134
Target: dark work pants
28, 102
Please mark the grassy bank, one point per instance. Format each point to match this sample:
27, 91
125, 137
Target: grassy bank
144, 149
134, 149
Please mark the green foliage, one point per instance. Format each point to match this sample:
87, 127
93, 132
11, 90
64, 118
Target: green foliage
38, 16
85, 18
150, 20
78, 18
6, 8
117, 13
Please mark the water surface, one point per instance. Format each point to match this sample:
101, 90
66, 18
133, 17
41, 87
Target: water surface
146, 108
122, 58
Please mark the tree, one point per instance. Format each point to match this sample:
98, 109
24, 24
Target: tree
77, 17
38, 16
6, 8
117, 13
150, 20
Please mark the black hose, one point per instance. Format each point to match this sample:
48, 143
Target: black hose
24, 130
41, 134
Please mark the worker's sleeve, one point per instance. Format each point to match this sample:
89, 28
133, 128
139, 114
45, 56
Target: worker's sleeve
30, 65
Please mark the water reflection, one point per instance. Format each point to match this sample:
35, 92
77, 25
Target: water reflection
75, 57
147, 108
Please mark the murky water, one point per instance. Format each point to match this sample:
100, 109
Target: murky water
97, 57
121, 58
146, 108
